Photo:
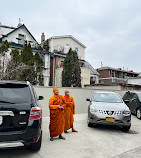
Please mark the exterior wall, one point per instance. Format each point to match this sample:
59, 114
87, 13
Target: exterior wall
85, 77
134, 81
112, 80
12, 37
112, 88
79, 94
58, 77
60, 43
58, 61
104, 74
95, 78
46, 71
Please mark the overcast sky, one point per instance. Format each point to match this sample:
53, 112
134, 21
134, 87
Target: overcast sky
111, 29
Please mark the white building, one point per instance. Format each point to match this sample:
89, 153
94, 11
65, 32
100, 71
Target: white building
64, 43
16, 36
59, 46
134, 81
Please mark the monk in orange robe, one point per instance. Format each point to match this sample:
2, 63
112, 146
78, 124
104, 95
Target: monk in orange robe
69, 112
56, 105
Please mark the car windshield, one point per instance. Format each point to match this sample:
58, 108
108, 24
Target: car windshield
106, 97
14, 94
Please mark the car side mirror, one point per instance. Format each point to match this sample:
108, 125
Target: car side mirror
88, 99
126, 101
40, 98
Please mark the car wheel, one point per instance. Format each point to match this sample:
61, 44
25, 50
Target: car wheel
138, 113
90, 124
35, 146
126, 128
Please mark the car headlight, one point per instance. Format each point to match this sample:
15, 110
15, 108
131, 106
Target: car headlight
126, 112
92, 109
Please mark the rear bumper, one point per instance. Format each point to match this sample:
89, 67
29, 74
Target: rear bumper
120, 120
33, 130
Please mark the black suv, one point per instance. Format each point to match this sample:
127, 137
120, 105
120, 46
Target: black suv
133, 101
20, 115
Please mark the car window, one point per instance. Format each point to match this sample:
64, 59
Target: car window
135, 97
15, 93
106, 97
129, 96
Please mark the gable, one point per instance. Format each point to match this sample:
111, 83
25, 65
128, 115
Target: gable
16, 35
68, 37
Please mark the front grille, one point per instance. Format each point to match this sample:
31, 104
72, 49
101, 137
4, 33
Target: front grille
110, 112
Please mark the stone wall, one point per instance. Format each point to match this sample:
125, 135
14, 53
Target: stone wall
79, 94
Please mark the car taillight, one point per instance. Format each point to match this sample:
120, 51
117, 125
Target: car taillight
35, 113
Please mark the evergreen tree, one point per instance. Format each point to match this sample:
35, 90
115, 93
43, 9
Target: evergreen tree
4, 47
71, 75
16, 57
27, 58
27, 55
76, 72
38, 68
67, 70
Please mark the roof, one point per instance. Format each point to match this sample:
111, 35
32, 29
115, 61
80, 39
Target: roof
93, 71
19, 28
116, 69
68, 36
10, 27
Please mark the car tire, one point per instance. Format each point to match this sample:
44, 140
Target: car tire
126, 128
138, 113
90, 124
35, 146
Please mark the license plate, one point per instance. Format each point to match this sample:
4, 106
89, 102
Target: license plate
1, 120
110, 120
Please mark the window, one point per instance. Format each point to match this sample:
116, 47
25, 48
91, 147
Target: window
77, 50
67, 47
43, 58
135, 97
21, 39
15, 93
113, 73
106, 97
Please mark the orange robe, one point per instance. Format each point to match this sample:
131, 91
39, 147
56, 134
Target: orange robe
69, 111
56, 115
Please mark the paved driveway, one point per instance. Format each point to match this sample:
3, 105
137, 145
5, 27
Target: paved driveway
99, 142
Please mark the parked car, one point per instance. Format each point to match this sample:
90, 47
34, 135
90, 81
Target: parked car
133, 101
108, 108
20, 115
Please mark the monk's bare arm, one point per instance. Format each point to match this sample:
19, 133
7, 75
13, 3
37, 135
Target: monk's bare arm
51, 106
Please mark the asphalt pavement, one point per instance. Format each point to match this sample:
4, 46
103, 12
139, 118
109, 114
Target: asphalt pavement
95, 142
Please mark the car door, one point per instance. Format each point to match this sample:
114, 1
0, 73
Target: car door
133, 102
136, 103
127, 98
